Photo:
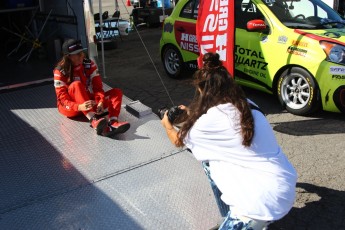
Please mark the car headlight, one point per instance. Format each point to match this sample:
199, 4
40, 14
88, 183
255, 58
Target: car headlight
335, 52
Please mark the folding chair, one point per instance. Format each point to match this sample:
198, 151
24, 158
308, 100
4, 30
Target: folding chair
115, 24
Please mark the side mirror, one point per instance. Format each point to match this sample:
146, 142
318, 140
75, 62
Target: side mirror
256, 25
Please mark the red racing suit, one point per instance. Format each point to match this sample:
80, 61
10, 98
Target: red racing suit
86, 85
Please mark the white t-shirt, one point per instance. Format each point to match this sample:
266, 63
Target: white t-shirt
257, 181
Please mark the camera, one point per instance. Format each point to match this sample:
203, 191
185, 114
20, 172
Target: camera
173, 113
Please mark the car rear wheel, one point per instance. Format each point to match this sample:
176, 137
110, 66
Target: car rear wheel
297, 90
172, 61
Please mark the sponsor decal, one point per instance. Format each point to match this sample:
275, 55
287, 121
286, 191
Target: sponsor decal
168, 27
250, 62
188, 42
252, 59
282, 39
241, 75
185, 36
337, 70
248, 52
297, 51
252, 72
338, 77
215, 30
299, 43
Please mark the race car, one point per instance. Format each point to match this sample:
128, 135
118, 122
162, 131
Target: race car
294, 49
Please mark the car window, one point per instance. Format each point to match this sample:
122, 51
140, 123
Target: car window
299, 8
196, 9
187, 10
321, 12
305, 14
246, 11
190, 10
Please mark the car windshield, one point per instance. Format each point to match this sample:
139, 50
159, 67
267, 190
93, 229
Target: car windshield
305, 14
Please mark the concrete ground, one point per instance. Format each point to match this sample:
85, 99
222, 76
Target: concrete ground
314, 144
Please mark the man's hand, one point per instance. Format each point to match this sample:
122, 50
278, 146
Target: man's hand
99, 108
87, 105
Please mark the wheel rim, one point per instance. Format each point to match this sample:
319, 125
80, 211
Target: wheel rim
296, 91
172, 61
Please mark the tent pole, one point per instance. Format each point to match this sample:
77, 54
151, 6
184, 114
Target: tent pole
116, 5
102, 43
163, 8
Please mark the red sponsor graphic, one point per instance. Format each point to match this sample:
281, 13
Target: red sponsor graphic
256, 25
185, 36
215, 30
299, 43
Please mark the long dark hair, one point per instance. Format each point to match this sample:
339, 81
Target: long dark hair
215, 86
66, 65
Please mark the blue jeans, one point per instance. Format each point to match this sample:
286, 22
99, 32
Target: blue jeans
230, 222
235, 223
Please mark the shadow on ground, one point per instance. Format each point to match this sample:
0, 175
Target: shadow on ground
324, 209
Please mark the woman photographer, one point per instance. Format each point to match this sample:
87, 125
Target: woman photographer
238, 149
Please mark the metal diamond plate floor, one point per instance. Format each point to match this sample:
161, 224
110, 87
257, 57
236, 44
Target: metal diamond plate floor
56, 173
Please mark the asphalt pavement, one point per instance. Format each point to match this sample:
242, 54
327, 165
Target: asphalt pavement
314, 144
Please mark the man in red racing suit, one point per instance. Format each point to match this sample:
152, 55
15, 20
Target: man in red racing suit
79, 90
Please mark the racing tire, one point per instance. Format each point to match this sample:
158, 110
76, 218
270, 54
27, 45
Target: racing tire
298, 91
173, 62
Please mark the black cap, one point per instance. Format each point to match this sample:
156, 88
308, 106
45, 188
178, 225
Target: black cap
72, 46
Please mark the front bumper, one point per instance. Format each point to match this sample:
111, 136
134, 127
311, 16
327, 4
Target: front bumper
331, 81
339, 98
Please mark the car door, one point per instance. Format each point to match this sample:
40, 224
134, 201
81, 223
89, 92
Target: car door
251, 65
185, 30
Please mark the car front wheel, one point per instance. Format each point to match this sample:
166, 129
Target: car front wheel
298, 91
172, 61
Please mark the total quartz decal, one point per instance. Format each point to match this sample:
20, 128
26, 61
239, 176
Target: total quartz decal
253, 61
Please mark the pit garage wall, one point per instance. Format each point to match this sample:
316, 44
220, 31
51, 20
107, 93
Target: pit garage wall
84, 17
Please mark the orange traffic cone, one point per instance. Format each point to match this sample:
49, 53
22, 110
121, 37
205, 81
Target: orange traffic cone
128, 3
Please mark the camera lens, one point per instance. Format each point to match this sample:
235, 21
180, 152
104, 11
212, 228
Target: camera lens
161, 112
